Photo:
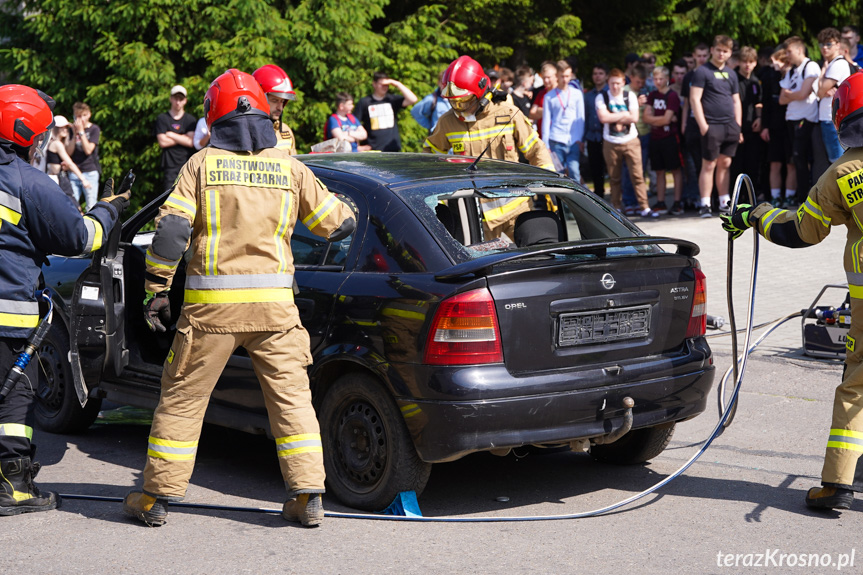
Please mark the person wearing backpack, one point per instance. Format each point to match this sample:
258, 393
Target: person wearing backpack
427, 111
343, 124
801, 116
836, 70
618, 112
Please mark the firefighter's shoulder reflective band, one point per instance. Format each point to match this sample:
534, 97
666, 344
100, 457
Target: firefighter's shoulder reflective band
171, 450
19, 313
258, 172
855, 284
239, 295
320, 212
94, 235
846, 439
296, 444
10, 208
16, 430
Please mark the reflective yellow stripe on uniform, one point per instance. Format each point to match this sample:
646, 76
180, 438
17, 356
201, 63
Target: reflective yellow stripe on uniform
319, 213
846, 439
10, 208
171, 450
16, 430
816, 212
180, 203
855, 284
436, 150
478, 135
19, 313
297, 444
239, 295
509, 205
94, 235
282, 230
211, 252
531, 142
155, 261
410, 410
767, 221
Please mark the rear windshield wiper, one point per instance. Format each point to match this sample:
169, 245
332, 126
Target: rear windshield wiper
481, 265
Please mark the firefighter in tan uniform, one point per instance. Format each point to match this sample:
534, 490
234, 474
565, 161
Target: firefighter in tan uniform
477, 120
235, 205
279, 89
835, 200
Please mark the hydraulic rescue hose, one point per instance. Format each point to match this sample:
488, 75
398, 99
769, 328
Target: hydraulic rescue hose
726, 414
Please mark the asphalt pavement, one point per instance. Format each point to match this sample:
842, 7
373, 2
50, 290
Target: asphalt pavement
738, 509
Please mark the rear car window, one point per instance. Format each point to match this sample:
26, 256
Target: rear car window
474, 222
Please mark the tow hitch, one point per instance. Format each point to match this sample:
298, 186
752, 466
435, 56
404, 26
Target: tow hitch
616, 434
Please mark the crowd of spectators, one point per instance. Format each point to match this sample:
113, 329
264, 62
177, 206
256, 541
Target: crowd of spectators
701, 119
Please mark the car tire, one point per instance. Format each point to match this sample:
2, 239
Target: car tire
637, 446
368, 454
57, 407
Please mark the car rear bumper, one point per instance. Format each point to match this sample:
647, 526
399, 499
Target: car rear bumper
448, 430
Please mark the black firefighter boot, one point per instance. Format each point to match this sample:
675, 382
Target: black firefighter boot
305, 508
18, 493
829, 497
142, 506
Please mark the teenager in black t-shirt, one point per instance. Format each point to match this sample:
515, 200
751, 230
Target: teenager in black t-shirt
715, 100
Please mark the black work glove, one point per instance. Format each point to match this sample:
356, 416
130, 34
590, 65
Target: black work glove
120, 201
737, 221
157, 311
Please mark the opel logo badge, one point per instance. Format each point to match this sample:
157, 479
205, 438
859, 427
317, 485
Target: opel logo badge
607, 281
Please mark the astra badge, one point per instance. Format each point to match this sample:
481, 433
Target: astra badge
607, 281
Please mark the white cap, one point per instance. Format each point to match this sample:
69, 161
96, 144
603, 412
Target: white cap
178, 90
60, 122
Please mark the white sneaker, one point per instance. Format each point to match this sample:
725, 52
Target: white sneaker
648, 213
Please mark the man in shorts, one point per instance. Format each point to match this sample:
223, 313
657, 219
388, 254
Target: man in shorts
715, 99
662, 113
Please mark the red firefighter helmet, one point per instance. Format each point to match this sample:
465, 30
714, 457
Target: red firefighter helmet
25, 114
848, 101
464, 81
275, 81
232, 94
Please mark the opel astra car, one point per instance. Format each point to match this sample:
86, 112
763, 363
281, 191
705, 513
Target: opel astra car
431, 340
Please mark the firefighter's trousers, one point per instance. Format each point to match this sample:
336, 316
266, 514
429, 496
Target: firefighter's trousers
191, 370
845, 444
16, 412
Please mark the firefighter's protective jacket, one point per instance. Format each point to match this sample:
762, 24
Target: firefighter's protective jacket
835, 200
509, 131
285, 137
36, 219
239, 210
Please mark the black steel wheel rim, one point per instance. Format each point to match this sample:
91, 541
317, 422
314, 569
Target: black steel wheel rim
361, 444
51, 390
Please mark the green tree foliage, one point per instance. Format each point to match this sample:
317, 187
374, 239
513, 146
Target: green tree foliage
122, 56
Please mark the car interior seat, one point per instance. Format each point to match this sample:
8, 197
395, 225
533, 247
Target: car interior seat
536, 228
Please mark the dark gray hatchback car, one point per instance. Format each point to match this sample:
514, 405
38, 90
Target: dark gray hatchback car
430, 340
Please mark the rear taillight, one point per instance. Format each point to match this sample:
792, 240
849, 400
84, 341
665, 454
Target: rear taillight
698, 316
464, 331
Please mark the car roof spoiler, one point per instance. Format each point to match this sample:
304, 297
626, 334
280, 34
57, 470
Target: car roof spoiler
481, 265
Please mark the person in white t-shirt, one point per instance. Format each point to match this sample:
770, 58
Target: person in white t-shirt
801, 116
620, 141
836, 69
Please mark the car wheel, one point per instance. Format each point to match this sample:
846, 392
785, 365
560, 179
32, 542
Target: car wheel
57, 407
637, 446
368, 454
